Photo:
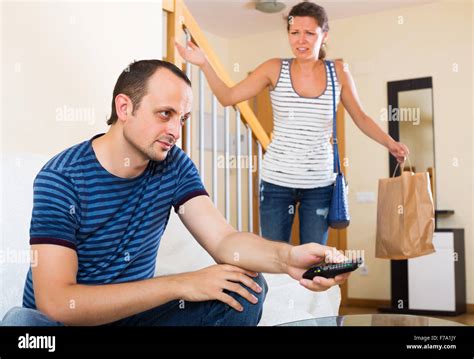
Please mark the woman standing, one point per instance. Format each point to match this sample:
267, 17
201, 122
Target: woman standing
298, 164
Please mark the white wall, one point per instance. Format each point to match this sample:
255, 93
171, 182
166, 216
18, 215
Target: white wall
57, 58
65, 57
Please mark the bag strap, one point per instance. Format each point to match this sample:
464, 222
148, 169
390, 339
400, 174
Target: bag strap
401, 168
337, 162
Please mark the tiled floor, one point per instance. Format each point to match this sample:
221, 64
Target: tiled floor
467, 318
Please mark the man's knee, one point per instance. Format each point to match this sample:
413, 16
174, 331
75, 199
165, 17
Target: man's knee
221, 314
253, 312
260, 280
21, 317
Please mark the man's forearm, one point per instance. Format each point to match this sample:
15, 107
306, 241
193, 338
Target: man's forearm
254, 253
79, 304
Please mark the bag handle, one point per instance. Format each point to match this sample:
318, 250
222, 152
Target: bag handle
398, 164
337, 162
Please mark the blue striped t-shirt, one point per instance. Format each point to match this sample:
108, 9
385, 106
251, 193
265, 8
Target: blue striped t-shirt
114, 224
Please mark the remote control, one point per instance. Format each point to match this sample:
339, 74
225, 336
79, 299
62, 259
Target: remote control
330, 270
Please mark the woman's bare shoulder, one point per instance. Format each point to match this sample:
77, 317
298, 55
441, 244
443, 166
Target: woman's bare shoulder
341, 69
272, 70
339, 64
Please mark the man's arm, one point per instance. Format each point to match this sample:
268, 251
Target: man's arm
225, 244
249, 251
59, 296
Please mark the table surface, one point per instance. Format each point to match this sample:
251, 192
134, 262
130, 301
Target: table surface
373, 320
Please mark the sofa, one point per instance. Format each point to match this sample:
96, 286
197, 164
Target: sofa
286, 300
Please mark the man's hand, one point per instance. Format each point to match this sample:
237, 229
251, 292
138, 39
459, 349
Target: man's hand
301, 258
209, 284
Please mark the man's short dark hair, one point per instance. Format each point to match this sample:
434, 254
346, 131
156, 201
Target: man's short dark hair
134, 79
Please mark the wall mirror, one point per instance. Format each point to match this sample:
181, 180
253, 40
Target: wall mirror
411, 121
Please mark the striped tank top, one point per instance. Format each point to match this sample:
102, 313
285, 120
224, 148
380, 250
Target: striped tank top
300, 154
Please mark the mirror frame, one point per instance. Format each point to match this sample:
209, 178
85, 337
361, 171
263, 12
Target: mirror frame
399, 268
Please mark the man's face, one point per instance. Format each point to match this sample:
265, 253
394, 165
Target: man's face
156, 125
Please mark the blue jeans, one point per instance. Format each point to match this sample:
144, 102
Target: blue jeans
278, 207
174, 313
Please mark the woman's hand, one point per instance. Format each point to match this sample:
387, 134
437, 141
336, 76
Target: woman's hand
302, 257
399, 151
193, 54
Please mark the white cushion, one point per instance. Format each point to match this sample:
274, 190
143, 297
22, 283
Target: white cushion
16, 184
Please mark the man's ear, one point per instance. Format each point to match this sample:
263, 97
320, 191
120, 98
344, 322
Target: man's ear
123, 107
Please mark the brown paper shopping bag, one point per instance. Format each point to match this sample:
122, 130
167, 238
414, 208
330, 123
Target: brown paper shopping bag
405, 216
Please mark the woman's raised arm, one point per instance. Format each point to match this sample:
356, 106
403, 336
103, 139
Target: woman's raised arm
244, 90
